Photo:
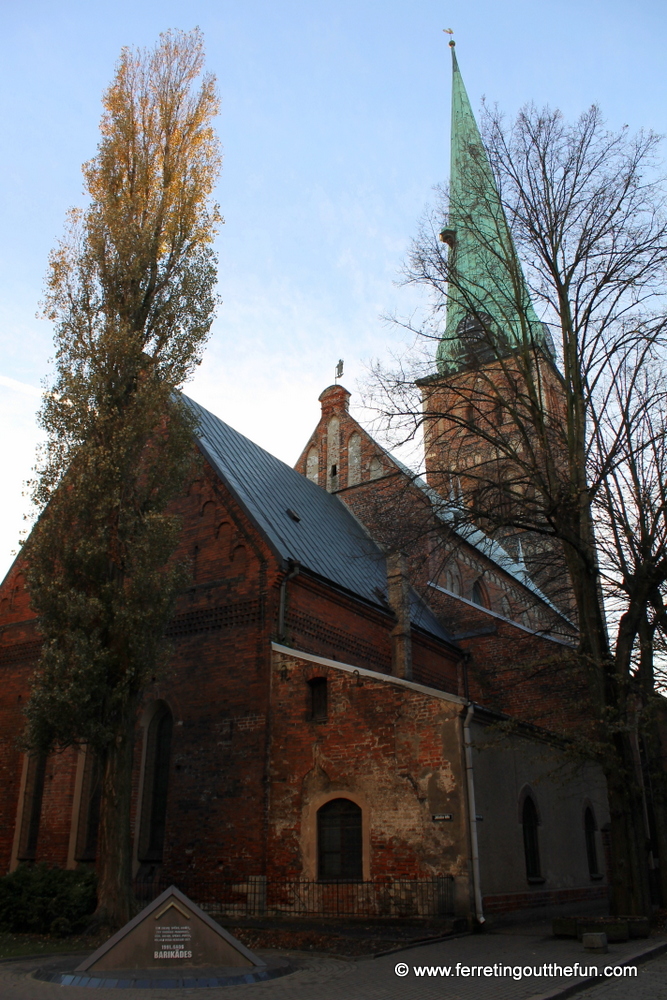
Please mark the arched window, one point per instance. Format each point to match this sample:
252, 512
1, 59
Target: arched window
479, 595
453, 580
590, 826
156, 785
333, 453
32, 807
208, 515
239, 561
531, 845
354, 460
18, 589
89, 809
313, 465
339, 852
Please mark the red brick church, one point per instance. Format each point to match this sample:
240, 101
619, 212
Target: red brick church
352, 698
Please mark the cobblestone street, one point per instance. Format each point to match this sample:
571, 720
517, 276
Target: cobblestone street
323, 978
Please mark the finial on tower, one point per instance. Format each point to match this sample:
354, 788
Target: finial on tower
448, 31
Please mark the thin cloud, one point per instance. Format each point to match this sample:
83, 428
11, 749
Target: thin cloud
12, 383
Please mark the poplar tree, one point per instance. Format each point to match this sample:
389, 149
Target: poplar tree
130, 290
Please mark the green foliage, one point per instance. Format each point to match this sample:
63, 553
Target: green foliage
41, 900
131, 293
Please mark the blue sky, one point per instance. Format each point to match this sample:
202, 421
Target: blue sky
334, 125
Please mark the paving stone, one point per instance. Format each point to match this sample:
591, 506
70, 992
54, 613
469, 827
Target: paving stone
323, 978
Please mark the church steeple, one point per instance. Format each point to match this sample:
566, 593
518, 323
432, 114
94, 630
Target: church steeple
488, 306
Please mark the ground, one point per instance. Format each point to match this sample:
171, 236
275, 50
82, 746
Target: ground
322, 977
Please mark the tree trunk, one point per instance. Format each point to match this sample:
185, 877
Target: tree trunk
630, 893
115, 901
654, 734
608, 694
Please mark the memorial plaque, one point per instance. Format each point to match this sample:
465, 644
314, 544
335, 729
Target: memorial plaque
170, 933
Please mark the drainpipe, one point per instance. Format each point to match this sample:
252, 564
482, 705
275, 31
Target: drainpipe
474, 847
293, 571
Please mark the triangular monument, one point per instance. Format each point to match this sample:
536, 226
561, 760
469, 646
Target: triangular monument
171, 933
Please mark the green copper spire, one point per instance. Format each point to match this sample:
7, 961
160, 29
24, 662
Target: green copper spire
489, 308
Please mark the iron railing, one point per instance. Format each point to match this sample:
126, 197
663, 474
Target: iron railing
258, 895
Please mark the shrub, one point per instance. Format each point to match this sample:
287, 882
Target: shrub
39, 900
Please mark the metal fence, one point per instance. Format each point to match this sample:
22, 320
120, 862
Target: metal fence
261, 896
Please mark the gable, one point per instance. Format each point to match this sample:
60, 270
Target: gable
302, 523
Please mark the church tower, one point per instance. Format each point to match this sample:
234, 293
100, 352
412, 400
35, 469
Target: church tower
496, 385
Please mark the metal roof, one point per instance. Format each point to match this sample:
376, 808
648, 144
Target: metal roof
455, 515
300, 520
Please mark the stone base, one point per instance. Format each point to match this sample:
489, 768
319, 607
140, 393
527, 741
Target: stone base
596, 942
193, 978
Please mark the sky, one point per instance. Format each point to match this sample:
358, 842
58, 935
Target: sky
335, 130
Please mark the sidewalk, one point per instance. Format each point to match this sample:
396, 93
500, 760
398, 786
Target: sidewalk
322, 978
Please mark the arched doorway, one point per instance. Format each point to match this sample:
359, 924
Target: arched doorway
339, 846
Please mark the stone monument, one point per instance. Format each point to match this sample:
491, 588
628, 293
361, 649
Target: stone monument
171, 933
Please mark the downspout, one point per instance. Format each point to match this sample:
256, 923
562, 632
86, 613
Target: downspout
292, 572
474, 846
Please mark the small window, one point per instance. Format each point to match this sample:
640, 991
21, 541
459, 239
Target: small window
318, 697
339, 841
530, 839
590, 827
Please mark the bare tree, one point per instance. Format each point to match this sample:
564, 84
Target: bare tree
536, 424
631, 514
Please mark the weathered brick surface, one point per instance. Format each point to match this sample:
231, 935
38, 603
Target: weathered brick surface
399, 515
465, 421
19, 650
249, 766
515, 670
393, 750
218, 687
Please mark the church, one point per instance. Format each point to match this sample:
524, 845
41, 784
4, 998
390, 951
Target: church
357, 702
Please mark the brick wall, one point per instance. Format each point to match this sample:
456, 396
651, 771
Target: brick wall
216, 685
399, 515
394, 750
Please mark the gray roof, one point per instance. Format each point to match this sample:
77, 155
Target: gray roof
326, 539
454, 514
